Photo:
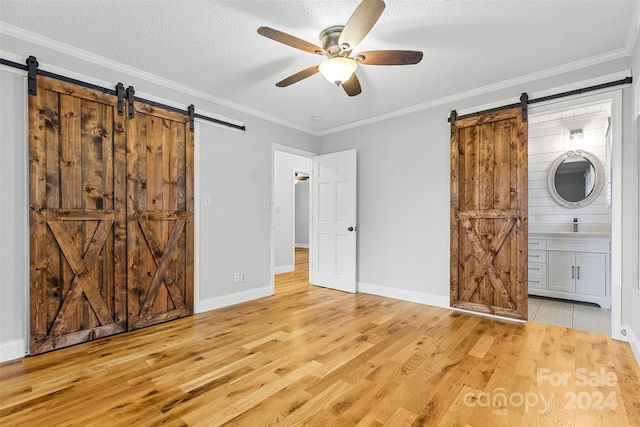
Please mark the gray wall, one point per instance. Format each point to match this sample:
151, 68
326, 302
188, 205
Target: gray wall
403, 216
13, 209
235, 235
285, 165
302, 214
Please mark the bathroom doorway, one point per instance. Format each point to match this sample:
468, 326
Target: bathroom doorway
573, 259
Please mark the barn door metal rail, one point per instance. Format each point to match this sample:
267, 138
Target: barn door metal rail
124, 95
524, 99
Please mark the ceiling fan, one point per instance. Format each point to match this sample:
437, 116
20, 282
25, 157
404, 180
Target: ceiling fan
338, 42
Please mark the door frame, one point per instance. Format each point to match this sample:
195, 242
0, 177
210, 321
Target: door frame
294, 213
298, 152
615, 95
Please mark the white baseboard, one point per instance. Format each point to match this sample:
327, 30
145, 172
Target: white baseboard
404, 295
11, 350
283, 269
422, 298
302, 245
634, 341
235, 298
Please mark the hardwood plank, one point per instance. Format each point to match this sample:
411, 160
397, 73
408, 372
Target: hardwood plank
314, 356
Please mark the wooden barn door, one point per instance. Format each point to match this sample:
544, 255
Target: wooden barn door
77, 216
111, 216
489, 213
159, 216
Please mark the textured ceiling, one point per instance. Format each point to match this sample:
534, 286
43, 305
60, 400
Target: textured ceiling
212, 46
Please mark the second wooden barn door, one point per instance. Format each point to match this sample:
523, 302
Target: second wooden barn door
489, 213
159, 216
111, 226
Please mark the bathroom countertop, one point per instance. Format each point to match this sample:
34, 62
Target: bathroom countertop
570, 233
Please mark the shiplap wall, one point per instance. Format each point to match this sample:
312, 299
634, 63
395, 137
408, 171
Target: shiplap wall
547, 141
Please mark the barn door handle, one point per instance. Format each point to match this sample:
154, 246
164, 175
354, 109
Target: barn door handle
350, 229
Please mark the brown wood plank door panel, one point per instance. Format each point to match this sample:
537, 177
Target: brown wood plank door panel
159, 216
489, 214
77, 216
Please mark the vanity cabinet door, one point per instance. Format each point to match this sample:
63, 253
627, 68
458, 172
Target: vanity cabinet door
590, 273
562, 271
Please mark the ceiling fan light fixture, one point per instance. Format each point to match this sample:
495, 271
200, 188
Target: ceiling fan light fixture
338, 70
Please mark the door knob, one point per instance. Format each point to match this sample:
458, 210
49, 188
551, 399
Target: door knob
350, 228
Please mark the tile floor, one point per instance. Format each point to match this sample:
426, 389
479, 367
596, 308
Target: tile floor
576, 315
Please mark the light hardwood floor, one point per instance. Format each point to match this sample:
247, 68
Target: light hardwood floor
313, 356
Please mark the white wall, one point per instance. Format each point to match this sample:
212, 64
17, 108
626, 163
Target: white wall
302, 214
285, 166
233, 167
548, 141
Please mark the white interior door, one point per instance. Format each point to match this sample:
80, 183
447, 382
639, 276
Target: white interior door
333, 223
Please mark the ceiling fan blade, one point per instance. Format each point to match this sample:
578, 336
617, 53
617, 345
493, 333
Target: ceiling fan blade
352, 86
290, 40
300, 75
363, 19
390, 57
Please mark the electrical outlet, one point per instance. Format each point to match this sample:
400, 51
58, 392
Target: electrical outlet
206, 200
243, 277
236, 277
389, 271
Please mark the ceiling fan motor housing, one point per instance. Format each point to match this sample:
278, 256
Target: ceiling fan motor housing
330, 41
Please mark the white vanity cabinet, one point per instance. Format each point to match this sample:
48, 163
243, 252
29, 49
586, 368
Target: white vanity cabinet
537, 264
580, 272
573, 266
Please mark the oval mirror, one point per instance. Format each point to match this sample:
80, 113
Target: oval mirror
575, 179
